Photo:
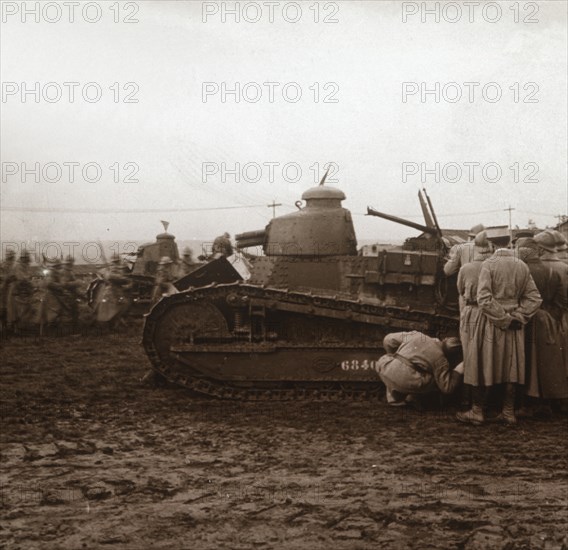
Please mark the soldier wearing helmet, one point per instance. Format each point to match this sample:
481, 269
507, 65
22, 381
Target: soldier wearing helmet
546, 376
417, 364
6, 279
547, 243
463, 253
114, 300
468, 278
163, 282
560, 244
507, 299
70, 286
222, 246
8, 263
19, 308
186, 265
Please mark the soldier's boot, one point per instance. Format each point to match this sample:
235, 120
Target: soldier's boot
475, 415
526, 409
508, 413
395, 398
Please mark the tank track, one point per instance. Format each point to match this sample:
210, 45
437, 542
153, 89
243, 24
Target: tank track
306, 303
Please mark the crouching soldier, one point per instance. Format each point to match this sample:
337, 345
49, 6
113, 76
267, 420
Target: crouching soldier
417, 364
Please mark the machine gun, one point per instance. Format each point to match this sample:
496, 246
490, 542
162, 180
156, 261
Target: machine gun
431, 228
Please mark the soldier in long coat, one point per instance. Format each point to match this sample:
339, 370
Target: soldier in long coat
61, 298
470, 313
6, 279
507, 298
21, 303
549, 257
114, 300
546, 377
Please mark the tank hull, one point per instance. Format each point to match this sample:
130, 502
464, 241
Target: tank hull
243, 341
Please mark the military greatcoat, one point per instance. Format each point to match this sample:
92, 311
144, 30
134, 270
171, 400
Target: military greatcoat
506, 292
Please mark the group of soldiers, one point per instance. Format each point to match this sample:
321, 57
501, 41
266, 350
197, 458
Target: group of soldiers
513, 331
23, 303
27, 300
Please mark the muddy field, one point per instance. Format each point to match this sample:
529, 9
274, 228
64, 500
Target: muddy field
93, 459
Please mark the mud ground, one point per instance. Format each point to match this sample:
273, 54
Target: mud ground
90, 458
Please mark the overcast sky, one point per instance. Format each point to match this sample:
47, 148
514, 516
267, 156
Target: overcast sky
359, 63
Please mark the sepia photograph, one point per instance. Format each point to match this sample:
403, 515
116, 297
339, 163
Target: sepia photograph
284, 274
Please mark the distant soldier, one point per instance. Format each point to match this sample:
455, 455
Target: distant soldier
416, 364
463, 253
63, 288
6, 279
186, 265
222, 246
114, 300
163, 282
8, 264
507, 298
19, 299
546, 376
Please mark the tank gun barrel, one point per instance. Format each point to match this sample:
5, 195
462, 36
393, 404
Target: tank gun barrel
372, 212
251, 238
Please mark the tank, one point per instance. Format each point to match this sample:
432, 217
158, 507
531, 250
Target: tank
145, 260
143, 265
310, 320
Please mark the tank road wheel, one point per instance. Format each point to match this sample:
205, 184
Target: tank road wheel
186, 323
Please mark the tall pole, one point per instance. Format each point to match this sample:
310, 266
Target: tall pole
273, 206
510, 225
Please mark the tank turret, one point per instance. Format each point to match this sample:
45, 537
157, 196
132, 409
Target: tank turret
149, 254
321, 228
